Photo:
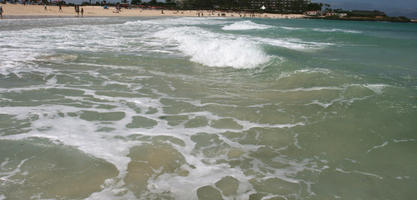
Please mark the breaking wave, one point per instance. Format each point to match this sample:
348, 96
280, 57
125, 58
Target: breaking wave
213, 49
245, 25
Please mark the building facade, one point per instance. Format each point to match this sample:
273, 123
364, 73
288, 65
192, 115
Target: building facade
279, 5
270, 5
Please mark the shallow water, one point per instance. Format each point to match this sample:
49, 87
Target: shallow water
207, 108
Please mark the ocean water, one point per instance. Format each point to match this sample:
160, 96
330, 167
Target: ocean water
207, 108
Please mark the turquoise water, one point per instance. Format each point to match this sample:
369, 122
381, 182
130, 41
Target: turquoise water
207, 108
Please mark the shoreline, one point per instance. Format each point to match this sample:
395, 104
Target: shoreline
367, 19
19, 11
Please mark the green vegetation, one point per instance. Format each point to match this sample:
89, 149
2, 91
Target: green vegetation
136, 2
362, 15
296, 6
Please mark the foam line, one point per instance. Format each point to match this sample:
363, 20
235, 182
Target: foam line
245, 25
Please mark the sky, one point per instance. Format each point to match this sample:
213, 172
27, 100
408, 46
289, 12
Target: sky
391, 7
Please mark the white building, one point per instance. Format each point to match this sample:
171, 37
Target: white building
278, 4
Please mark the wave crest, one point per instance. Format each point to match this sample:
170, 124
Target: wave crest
335, 30
245, 25
215, 50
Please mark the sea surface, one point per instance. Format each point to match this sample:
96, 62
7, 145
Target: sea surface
207, 108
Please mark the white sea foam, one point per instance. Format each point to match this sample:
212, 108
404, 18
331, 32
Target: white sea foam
202, 175
96, 144
377, 146
336, 30
291, 43
180, 21
21, 48
358, 172
307, 71
325, 105
105, 146
377, 88
245, 25
310, 89
202, 46
403, 140
291, 28
216, 50
5, 177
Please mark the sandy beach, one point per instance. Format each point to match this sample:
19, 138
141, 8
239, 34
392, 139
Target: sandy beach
19, 10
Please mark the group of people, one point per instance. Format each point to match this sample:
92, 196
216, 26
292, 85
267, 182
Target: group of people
77, 10
76, 7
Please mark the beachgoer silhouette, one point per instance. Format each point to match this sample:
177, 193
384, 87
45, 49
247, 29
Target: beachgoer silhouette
77, 10
82, 12
60, 7
45, 7
1, 12
117, 9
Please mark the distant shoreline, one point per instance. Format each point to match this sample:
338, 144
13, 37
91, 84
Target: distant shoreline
387, 19
19, 11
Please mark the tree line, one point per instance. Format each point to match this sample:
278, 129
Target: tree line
295, 6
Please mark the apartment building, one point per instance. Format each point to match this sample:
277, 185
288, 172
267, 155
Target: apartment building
271, 5
278, 4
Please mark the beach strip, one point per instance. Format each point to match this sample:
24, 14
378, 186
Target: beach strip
20, 10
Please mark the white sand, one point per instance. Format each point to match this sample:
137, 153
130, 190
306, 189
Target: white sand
16, 10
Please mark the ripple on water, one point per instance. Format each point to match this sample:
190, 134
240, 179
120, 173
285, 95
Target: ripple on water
60, 171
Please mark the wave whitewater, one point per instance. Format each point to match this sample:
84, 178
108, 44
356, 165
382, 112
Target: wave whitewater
213, 49
336, 30
144, 103
245, 25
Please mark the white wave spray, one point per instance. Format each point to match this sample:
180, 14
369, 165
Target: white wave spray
245, 25
215, 50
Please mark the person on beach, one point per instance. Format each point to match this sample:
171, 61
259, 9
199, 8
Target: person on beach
82, 12
77, 10
1, 12
118, 9
60, 7
45, 7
